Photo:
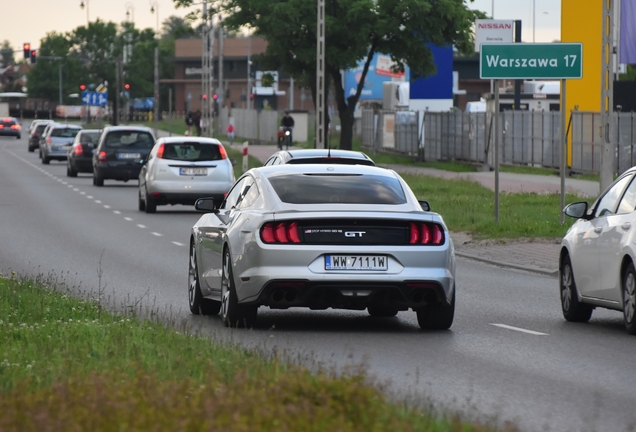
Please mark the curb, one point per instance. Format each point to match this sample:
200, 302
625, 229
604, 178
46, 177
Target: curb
546, 272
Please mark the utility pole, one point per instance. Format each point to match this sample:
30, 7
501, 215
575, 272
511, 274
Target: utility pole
117, 90
249, 72
206, 94
320, 77
607, 97
221, 99
155, 105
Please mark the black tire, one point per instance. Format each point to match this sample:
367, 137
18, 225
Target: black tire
141, 204
198, 304
573, 309
629, 299
45, 160
151, 205
233, 314
40, 153
437, 316
381, 311
70, 172
97, 180
31, 149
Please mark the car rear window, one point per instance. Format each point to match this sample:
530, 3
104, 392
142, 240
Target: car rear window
129, 138
7, 122
331, 160
65, 132
89, 137
40, 128
191, 151
338, 188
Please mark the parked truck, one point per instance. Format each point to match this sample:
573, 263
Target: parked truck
4, 109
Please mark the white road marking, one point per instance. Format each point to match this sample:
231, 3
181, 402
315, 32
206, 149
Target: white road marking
532, 332
89, 196
71, 186
75, 189
64, 183
116, 212
82, 193
157, 234
106, 206
177, 243
98, 202
128, 219
141, 226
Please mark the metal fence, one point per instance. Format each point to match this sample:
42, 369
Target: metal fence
526, 137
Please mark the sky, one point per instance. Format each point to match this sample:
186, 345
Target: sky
31, 20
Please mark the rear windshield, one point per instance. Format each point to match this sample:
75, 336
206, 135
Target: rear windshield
7, 122
331, 161
65, 132
343, 189
89, 137
191, 152
40, 128
130, 138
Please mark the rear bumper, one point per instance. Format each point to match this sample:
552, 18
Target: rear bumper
81, 164
185, 192
12, 133
117, 171
185, 198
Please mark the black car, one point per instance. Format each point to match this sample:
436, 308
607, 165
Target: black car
319, 156
121, 152
36, 133
10, 126
80, 155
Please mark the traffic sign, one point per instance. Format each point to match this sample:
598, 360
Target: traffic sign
94, 98
531, 61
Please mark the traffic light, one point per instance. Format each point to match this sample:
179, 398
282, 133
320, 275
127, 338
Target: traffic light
205, 96
127, 86
34, 57
215, 96
82, 87
26, 47
251, 95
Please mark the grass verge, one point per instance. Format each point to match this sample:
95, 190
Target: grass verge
67, 364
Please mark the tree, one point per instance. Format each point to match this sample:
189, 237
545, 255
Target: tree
177, 28
6, 51
354, 30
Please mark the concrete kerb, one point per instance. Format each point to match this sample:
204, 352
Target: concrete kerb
533, 269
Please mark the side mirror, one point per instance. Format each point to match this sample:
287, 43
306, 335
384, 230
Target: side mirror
576, 210
425, 205
206, 205
233, 162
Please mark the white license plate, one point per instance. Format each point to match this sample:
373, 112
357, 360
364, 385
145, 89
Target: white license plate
356, 262
66, 147
128, 155
193, 171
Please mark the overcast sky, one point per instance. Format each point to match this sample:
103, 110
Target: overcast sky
30, 20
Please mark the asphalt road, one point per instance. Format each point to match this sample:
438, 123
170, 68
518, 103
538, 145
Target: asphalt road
509, 356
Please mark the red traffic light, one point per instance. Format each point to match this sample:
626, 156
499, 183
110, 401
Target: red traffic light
251, 95
205, 96
26, 47
215, 96
127, 86
82, 87
34, 56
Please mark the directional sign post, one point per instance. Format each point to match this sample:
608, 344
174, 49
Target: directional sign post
94, 98
531, 61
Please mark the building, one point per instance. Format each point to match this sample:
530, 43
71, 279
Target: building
236, 51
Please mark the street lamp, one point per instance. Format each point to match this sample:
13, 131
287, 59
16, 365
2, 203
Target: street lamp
154, 8
85, 5
130, 11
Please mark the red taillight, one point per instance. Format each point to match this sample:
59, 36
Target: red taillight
102, 157
15, 127
160, 151
78, 150
48, 140
280, 232
1, 126
223, 152
426, 234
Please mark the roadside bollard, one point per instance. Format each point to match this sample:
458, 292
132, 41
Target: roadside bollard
245, 144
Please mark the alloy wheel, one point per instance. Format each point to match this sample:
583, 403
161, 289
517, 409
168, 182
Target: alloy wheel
192, 276
225, 287
566, 287
629, 296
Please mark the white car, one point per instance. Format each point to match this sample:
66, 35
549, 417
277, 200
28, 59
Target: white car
180, 170
598, 253
321, 236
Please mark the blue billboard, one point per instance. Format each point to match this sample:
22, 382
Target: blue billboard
379, 72
440, 85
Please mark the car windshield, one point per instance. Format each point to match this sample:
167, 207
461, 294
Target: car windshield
65, 132
338, 188
89, 137
191, 151
130, 138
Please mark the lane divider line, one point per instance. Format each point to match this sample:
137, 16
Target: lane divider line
532, 332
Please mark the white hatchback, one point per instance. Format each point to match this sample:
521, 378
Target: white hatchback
598, 254
180, 170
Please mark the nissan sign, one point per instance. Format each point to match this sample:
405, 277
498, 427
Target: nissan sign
491, 31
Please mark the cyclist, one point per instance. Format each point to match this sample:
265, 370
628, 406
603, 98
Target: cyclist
287, 123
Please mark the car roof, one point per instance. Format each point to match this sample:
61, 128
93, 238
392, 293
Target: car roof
312, 153
181, 139
91, 130
127, 128
66, 125
335, 169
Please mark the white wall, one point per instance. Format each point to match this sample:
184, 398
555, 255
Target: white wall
430, 104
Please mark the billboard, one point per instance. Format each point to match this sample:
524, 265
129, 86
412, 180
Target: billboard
379, 73
440, 85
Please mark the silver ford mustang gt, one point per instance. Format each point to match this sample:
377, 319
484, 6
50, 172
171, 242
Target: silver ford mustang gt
320, 236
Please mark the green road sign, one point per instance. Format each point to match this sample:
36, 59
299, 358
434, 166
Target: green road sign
531, 60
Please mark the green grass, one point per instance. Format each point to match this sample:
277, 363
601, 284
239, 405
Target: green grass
68, 364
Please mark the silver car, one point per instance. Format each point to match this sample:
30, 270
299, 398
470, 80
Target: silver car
180, 170
321, 236
57, 140
598, 254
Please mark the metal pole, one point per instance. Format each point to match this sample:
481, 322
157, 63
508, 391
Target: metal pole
496, 150
249, 72
564, 148
517, 105
607, 97
170, 110
221, 99
61, 66
117, 90
156, 101
320, 77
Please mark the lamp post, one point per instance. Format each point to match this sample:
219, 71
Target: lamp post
84, 4
154, 8
130, 12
